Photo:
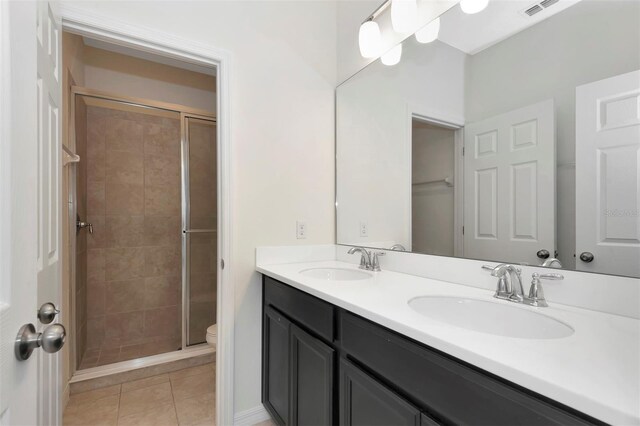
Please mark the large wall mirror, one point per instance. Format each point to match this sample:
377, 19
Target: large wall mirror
514, 137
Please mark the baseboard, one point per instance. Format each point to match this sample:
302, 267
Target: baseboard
251, 416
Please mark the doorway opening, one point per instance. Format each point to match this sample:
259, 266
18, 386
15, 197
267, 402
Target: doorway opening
142, 241
435, 169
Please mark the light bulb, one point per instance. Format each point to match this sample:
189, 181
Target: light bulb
429, 32
369, 39
473, 6
403, 15
393, 56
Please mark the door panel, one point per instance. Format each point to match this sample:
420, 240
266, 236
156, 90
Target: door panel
608, 175
509, 185
276, 365
49, 146
312, 368
365, 402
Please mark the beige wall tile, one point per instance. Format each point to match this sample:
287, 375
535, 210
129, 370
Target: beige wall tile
95, 265
162, 140
96, 198
95, 303
95, 332
124, 231
162, 321
125, 326
124, 296
164, 201
162, 291
162, 260
162, 230
123, 135
124, 263
160, 170
95, 239
124, 199
124, 167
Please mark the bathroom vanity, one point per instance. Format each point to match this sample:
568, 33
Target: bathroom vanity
346, 346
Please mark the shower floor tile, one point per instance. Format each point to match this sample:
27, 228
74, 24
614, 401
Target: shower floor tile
157, 400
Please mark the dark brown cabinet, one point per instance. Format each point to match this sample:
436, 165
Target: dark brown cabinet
323, 365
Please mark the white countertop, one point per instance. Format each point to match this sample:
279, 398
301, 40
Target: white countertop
596, 370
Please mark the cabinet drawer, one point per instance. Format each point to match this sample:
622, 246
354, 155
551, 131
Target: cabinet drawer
448, 389
309, 311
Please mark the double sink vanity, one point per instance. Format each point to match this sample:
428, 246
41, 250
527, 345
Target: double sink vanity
347, 345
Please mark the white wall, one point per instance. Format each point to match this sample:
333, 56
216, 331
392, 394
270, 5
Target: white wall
372, 125
282, 113
432, 204
549, 60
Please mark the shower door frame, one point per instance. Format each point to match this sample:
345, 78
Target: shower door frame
185, 113
106, 28
186, 221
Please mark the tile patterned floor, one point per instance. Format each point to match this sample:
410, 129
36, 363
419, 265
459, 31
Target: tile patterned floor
184, 397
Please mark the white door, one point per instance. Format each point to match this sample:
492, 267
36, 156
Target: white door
509, 185
608, 175
30, 206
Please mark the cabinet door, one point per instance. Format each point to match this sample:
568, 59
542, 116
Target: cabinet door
312, 370
275, 365
366, 402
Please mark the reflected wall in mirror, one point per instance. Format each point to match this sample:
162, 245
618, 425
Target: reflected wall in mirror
510, 138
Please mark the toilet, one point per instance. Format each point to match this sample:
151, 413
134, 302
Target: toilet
212, 335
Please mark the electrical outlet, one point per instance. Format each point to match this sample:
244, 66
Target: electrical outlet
364, 229
301, 230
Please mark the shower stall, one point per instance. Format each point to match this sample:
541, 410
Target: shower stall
145, 209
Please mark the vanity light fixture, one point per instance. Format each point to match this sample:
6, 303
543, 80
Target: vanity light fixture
369, 39
393, 56
404, 15
473, 6
429, 32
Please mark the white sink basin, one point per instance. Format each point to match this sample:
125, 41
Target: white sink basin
335, 274
488, 317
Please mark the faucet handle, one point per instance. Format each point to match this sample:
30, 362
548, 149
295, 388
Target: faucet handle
490, 268
536, 294
375, 264
549, 276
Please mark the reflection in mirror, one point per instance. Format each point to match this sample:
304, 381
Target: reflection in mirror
512, 137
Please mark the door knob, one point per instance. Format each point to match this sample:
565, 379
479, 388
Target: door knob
543, 254
50, 340
586, 257
80, 224
47, 313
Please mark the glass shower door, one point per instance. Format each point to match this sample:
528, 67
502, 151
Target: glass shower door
200, 241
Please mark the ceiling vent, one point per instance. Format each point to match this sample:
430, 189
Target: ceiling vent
547, 3
533, 10
538, 7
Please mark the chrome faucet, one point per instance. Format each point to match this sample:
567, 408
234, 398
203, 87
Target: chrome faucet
368, 261
508, 290
365, 258
398, 247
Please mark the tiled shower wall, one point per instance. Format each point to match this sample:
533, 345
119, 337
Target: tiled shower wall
134, 255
